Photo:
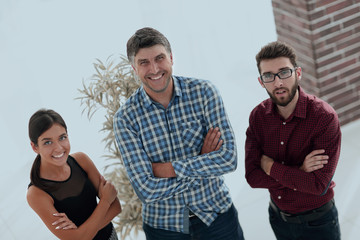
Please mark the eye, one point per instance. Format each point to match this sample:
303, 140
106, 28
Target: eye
62, 138
47, 142
285, 73
268, 75
160, 57
143, 63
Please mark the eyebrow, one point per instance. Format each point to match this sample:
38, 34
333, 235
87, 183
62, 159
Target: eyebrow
279, 70
145, 59
47, 139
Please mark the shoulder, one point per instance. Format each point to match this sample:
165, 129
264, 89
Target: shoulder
130, 106
83, 160
195, 87
88, 166
37, 197
194, 82
261, 109
321, 108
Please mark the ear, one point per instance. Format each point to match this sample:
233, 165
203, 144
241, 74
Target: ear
135, 70
34, 147
261, 83
299, 73
171, 59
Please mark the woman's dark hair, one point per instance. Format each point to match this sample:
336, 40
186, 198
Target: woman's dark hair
41, 121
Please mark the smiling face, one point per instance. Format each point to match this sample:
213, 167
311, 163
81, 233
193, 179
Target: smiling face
53, 146
281, 91
153, 65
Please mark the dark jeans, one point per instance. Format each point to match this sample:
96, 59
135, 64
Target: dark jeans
324, 228
225, 227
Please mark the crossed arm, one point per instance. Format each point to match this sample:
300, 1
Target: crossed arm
313, 176
211, 143
107, 208
313, 161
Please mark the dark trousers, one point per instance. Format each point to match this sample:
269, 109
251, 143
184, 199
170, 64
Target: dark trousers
324, 228
225, 227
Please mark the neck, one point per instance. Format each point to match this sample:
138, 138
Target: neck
56, 173
163, 97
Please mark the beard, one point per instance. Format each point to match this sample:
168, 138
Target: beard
283, 102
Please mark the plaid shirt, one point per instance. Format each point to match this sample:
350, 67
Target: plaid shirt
313, 125
146, 132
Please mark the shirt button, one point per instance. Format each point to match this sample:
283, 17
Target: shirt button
279, 197
282, 143
295, 189
282, 162
284, 123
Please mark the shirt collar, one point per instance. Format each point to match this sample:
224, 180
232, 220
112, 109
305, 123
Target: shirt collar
148, 101
300, 109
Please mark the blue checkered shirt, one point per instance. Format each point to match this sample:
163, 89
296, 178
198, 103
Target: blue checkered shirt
147, 132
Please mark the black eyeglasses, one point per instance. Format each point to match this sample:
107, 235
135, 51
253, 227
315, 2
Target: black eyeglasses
283, 74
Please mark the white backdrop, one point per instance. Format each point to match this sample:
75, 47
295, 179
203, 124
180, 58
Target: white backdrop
47, 48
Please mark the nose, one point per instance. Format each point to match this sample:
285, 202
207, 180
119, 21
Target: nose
154, 68
278, 81
57, 146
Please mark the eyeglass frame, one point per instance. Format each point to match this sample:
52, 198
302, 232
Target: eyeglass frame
277, 74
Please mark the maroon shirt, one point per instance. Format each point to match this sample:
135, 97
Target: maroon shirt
313, 125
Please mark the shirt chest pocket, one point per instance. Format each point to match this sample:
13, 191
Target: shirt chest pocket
192, 135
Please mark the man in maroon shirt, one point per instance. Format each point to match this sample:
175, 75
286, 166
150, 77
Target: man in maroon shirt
292, 148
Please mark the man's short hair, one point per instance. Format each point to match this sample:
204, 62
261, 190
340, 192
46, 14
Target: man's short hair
144, 38
275, 50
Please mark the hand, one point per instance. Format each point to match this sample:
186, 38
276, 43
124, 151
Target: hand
266, 164
63, 222
163, 170
211, 141
107, 191
314, 161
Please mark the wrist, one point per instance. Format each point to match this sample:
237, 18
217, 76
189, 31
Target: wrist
104, 201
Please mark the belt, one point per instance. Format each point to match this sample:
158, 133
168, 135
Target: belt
307, 216
191, 214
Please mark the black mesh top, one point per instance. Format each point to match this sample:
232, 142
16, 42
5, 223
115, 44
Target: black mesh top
76, 197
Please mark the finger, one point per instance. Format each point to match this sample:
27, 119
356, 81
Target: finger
62, 225
102, 180
69, 225
321, 157
322, 162
207, 139
209, 133
316, 160
60, 220
72, 226
66, 224
213, 134
219, 145
317, 167
215, 140
317, 152
59, 214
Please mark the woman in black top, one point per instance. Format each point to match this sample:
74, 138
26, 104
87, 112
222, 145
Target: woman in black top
64, 188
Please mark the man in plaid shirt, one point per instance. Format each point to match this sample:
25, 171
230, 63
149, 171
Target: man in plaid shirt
168, 133
292, 148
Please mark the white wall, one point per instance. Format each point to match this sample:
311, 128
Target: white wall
47, 48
